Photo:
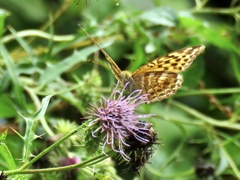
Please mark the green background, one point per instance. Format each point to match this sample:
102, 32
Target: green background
44, 52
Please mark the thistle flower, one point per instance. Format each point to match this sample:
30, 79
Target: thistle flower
141, 152
115, 120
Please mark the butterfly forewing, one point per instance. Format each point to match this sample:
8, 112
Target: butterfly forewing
176, 61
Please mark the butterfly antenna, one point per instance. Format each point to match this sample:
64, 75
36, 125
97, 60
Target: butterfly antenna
95, 42
113, 66
132, 61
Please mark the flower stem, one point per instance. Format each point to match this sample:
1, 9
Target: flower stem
51, 147
89, 162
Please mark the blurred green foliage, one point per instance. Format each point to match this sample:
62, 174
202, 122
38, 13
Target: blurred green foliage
43, 52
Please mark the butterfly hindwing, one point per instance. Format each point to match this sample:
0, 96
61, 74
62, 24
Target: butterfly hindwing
158, 85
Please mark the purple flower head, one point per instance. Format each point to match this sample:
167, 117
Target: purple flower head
69, 161
117, 120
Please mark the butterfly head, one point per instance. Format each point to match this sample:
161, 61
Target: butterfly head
127, 78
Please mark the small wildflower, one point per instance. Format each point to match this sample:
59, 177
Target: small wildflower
66, 161
69, 161
116, 120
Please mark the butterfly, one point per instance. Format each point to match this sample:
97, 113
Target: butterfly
158, 78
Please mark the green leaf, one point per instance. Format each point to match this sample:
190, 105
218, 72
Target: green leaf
14, 76
53, 72
3, 15
7, 156
212, 35
30, 127
41, 112
164, 16
235, 66
7, 107
23, 44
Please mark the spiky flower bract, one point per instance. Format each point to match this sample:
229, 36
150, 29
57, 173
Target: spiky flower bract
115, 120
140, 153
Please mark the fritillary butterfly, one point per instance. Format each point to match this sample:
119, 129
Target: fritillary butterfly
160, 77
